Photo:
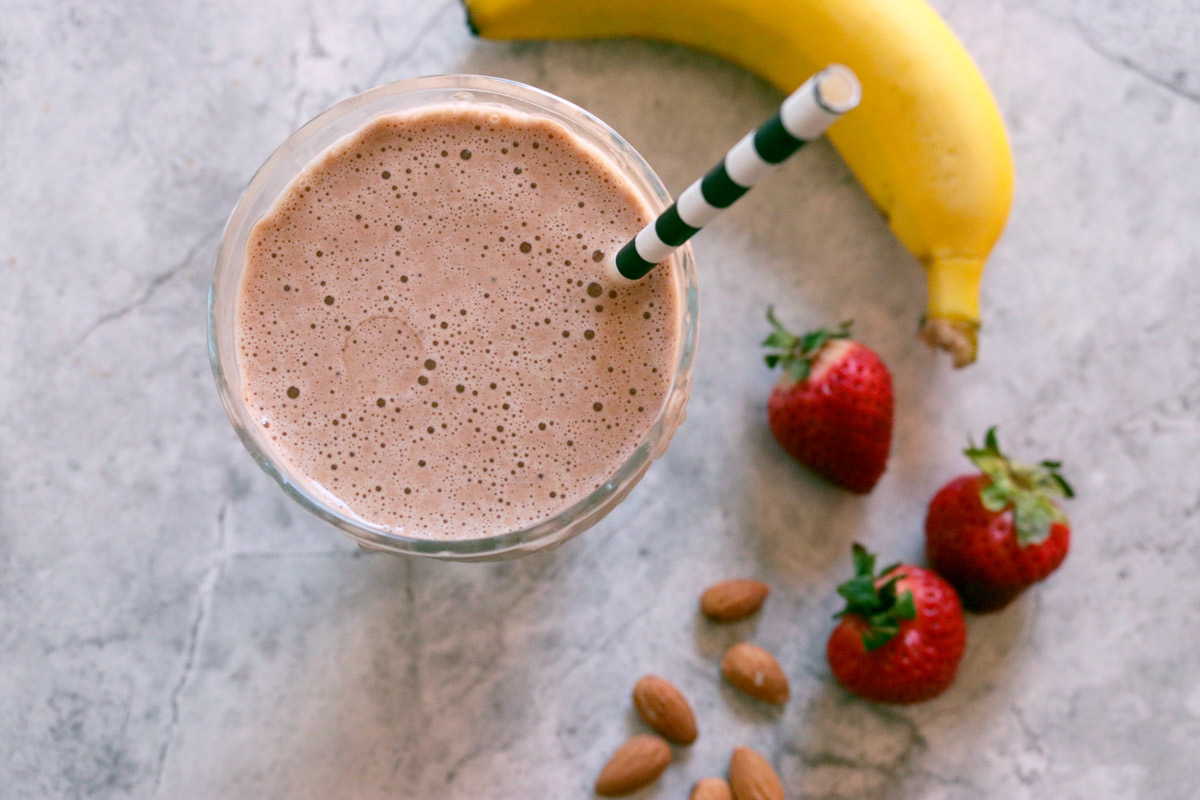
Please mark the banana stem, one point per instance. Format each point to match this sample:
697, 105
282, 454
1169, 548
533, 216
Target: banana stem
953, 320
954, 287
958, 337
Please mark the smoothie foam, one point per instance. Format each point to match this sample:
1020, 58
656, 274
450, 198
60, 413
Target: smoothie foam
425, 330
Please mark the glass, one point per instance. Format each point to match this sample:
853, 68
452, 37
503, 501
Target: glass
315, 137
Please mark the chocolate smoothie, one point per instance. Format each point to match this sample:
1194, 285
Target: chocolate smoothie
426, 332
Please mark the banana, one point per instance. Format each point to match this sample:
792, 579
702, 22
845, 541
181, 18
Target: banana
927, 143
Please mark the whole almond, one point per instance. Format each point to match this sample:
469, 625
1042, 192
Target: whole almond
751, 777
664, 708
710, 789
729, 601
635, 764
755, 672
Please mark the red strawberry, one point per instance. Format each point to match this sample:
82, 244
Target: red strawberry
995, 533
901, 636
832, 407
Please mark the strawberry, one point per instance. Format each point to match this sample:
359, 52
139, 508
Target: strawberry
832, 407
994, 533
901, 635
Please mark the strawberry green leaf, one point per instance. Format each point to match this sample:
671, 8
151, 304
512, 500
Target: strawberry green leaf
779, 339
876, 637
864, 561
1063, 486
906, 607
994, 498
873, 598
1032, 517
887, 590
859, 592
1028, 490
797, 353
1047, 476
799, 370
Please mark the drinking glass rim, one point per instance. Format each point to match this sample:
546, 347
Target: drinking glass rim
567, 522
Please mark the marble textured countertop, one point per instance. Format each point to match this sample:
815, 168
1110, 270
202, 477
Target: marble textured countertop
171, 626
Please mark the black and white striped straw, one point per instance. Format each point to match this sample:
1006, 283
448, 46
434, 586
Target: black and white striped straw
803, 117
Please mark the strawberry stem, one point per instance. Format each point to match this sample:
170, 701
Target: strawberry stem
797, 353
1028, 490
875, 602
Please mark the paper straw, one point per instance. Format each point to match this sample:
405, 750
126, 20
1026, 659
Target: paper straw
803, 117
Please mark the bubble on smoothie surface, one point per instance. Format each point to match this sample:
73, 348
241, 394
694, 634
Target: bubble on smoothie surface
418, 328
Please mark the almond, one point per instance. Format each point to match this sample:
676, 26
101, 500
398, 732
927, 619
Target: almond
710, 789
755, 672
729, 601
751, 777
664, 708
635, 764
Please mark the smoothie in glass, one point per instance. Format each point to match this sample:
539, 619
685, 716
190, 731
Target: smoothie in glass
425, 333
